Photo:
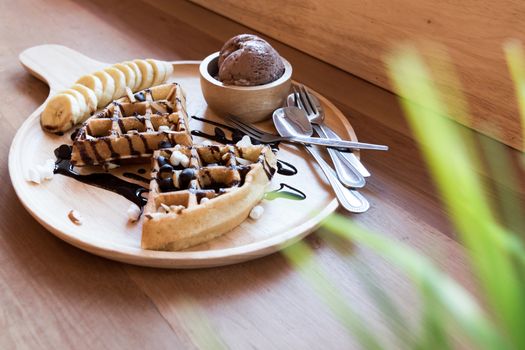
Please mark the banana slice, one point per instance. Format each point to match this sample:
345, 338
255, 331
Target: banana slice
89, 96
60, 113
169, 70
159, 71
92, 82
120, 82
108, 88
84, 111
128, 73
146, 71
138, 74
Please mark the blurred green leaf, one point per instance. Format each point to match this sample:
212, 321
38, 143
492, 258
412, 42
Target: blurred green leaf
302, 258
449, 155
448, 295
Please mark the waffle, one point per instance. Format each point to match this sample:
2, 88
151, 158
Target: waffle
134, 127
209, 192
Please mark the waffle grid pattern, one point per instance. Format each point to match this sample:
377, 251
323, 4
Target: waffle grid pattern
134, 127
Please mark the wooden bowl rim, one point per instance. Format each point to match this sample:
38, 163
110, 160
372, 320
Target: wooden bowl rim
204, 73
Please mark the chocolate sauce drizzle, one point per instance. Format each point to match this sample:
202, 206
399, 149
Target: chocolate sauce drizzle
285, 168
128, 190
136, 177
292, 193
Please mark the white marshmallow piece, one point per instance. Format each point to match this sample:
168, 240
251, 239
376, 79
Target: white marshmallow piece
33, 175
256, 212
204, 200
175, 178
111, 166
133, 213
242, 161
177, 157
164, 208
244, 142
48, 169
164, 128
50, 163
42, 172
46, 173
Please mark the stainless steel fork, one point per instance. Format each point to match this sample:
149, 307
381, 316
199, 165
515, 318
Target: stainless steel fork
346, 172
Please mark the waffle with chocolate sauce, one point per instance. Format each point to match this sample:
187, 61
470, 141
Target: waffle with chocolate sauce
133, 127
201, 192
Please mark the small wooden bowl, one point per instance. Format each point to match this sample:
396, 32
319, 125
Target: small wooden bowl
248, 103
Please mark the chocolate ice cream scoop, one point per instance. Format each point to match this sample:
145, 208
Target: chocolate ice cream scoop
248, 60
235, 43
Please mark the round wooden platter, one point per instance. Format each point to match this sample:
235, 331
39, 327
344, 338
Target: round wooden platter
105, 230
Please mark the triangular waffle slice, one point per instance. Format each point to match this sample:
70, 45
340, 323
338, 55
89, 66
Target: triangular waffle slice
134, 127
201, 192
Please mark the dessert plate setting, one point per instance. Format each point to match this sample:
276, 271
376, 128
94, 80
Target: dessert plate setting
164, 164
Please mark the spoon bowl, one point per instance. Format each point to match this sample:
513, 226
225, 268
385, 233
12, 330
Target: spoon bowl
314, 119
291, 122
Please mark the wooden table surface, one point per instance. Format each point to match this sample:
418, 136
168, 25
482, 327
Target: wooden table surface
53, 295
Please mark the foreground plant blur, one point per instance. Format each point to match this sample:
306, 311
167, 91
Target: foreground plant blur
496, 255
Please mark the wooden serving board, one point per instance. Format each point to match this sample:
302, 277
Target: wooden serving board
105, 230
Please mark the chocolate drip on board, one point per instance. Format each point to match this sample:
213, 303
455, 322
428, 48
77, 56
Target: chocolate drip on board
128, 190
285, 168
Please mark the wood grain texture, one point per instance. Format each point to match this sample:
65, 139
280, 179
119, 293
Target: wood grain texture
357, 37
49, 288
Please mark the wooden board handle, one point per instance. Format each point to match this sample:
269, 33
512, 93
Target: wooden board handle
57, 65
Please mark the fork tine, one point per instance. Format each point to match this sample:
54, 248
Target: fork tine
304, 103
297, 99
248, 133
245, 127
310, 109
308, 95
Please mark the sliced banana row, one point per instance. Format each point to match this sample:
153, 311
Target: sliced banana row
97, 90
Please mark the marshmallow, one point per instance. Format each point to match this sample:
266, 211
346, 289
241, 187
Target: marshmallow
204, 200
42, 172
177, 157
111, 166
256, 212
245, 141
33, 175
175, 178
46, 173
133, 213
242, 161
164, 128
163, 208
